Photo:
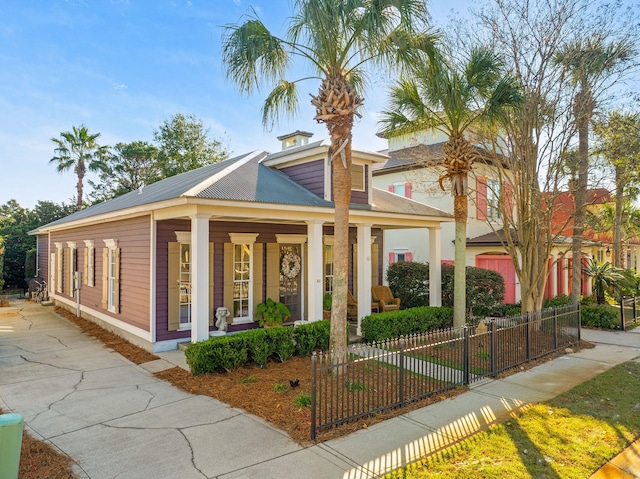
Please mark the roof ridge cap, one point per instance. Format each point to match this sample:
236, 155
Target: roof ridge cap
206, 183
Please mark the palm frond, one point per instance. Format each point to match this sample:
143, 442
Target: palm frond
283, 100
252, 54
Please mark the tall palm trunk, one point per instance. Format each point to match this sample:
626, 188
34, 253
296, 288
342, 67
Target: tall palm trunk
583, 109
80, 172
618, 260
460, 211
340, 127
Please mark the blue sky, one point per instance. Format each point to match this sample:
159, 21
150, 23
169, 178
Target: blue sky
121, 68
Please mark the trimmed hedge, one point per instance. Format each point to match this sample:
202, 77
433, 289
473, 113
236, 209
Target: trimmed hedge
409, 281
257, 346
600, 316
393, 324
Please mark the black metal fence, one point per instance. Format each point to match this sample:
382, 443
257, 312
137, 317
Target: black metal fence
389, 374
629, 311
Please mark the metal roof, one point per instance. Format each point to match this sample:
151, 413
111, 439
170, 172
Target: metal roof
243, 178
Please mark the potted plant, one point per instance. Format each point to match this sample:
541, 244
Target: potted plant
271, 313
327, 301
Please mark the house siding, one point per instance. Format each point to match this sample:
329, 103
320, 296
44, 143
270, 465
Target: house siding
42, 260
219, 235
310, 175
133, 236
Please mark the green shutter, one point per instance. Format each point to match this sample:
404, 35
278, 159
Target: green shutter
117, 281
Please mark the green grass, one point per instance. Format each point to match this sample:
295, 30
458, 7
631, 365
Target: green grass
571, 436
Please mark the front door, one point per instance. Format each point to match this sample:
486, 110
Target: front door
291, 279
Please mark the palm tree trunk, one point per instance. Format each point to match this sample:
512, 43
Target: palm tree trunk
460, 209
342, 198
617, 220
583, 112
80, 171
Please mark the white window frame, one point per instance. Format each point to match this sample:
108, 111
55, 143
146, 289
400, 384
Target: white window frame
111, 245
400, 184
494, 191
243, 239
328, 278
355, 173
73, 264
90, 280
59, 270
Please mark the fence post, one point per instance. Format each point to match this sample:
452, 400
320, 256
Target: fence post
494, 358
555, 328
401, 367
467, 352
635, 311
527, 321
314, 360
579, 322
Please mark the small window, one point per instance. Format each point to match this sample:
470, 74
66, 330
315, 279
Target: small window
493, 199
401, 189
357, 178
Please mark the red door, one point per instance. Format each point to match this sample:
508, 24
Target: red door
501, 264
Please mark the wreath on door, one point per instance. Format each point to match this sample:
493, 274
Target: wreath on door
290, 266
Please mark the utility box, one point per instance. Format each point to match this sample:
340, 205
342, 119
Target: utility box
11, 426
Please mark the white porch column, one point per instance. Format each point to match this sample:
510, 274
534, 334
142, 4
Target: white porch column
435, 267
314, 270
565, 275
199, 265
364, 272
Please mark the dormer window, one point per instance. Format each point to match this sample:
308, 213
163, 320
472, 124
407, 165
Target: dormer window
357, 178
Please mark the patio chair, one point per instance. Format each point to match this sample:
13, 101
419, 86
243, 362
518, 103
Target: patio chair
352, 306
384, 297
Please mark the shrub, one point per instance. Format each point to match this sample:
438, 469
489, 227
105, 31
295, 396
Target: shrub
311, 336
393, 324
223, 353
258, 348
600, 316
409, 281
559, 300
485, 289
282, 339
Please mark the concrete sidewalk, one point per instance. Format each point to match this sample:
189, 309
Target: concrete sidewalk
115, 419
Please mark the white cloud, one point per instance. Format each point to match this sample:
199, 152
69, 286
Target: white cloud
119, 86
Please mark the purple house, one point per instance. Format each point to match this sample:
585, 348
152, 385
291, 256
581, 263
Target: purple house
156, 264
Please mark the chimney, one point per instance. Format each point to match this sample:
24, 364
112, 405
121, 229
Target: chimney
295, 139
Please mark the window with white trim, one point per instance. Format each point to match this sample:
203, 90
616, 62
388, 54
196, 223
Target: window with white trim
242, 253
72, 265
493, 199
111, 279
328, 268
357, 177
59, 258
90, 263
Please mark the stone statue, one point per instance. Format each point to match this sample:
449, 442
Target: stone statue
221, 318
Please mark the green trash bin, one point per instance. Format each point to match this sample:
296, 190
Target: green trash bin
11, 426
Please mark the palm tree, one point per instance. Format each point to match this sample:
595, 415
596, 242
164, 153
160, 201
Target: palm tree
337, 39
78, 149
605, 277
451, 98
589, 62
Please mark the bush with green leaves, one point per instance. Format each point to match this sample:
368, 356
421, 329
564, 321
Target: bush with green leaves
393, 324
485, 289
560, 300
409, 281
311, 336
224, 353
282, 340
258, 348
600, 316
